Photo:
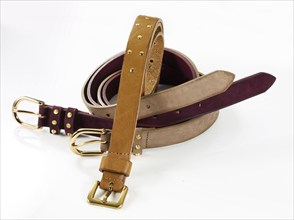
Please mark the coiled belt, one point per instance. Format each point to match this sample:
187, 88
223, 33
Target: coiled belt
185, 109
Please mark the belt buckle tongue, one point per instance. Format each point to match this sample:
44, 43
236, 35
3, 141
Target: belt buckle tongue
104, 202
74, 146
16, 111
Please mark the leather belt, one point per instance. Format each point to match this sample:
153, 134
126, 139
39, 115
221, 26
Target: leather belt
139, 76
182, 111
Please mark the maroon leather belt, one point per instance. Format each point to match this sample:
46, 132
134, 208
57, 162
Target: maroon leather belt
103, 84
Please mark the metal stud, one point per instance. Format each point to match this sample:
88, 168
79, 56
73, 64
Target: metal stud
199, 105
146, 18
54, 122
141, 53
53, 131
132, 70
137, 146
55, 111
138, 136
129, 52
68, 125
69, 114
149, 25
139, 37
137, 24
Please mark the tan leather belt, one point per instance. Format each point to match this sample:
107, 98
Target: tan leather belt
143, 117
139, 76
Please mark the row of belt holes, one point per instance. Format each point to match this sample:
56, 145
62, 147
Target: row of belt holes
177, 111
141, 54
155, 116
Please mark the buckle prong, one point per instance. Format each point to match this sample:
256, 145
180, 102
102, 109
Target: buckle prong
106, 195
16, 111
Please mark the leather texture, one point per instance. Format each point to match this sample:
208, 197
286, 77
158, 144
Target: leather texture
189, 89
140, 75
182, 70
145, 137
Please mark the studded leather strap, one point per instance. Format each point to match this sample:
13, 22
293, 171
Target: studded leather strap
55, 120
140, 75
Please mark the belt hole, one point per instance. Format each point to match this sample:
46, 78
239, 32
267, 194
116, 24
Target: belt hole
108, 115
151, 61
199, 105
154, 117
148, 106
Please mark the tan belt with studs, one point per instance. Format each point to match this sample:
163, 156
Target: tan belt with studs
140, 76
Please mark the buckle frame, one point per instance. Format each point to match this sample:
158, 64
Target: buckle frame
75, 147
16, 111
103, 202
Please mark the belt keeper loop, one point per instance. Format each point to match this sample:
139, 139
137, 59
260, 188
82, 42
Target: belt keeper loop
69, 119
55, 120
115, 165
105, 140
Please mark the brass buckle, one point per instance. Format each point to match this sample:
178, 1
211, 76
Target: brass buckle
75, 147
15, 111
103, 201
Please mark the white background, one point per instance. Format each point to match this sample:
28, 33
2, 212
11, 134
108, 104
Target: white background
240, 168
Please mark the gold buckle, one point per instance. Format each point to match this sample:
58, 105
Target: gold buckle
15, 111
75, 147
103, 201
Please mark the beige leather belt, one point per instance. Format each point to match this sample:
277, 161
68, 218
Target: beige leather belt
156, 132
143, 117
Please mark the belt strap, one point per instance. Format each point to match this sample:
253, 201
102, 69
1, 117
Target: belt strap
140, 74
